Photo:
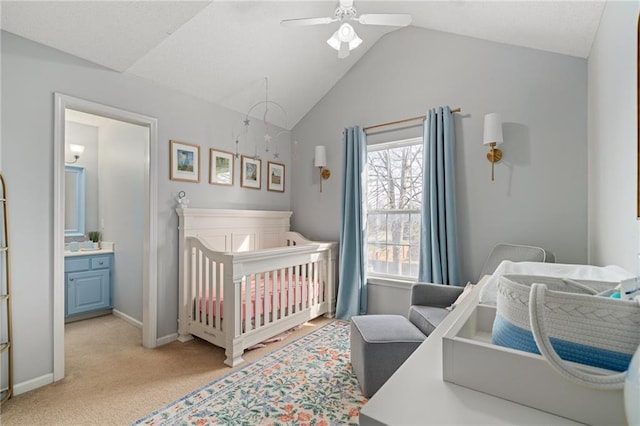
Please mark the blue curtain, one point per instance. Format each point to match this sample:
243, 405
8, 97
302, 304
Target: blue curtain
439, 233
352, 288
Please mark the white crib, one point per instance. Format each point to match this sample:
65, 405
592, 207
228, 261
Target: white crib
245, 278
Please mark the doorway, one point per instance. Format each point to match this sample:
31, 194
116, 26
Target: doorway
63, 103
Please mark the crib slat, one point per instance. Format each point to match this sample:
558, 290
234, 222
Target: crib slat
263, 299
300, 296
211, 283
273, 313
310, 284
314, 284
248, 326
323, 281
305, 287
282, 284
214, 313
259, 299
205, 292
291, 292
190, 288
272, 295
199, 285
196, 274
267, 298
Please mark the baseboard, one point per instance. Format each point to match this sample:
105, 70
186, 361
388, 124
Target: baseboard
32, 384
134, 322
166, 339
159, 342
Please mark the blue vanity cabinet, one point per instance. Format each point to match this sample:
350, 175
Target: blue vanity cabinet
88, 284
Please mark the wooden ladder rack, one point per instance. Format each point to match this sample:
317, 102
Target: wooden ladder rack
6, 348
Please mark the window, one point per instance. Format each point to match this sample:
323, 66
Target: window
394, 203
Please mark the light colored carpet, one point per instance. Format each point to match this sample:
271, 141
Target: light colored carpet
112, 380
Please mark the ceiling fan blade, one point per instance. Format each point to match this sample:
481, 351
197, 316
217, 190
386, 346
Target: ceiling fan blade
391, 19
299, 22
344, 50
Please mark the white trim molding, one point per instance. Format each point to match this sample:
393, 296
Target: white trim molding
150, 257
32, 384
134, 322
167, 339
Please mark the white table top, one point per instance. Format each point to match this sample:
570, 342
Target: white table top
417, 395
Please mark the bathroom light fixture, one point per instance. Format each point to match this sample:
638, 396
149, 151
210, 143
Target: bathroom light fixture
344, 40
76, 150
492, 137
321, 163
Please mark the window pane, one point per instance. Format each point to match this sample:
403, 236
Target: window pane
395, 227
394, 200
414, 227
414, 257
377, 258
377, 228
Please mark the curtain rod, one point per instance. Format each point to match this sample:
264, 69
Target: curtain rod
393, 123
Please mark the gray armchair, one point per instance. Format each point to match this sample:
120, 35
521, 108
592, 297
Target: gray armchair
429, 301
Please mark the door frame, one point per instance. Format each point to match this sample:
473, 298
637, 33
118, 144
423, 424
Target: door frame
150, 244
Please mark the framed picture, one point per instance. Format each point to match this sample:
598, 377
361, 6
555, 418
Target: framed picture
275, 176
220, 167
251, 172
185, 162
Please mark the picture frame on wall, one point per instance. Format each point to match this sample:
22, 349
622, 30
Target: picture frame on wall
184, 161
275, 176
251, 172
221, 170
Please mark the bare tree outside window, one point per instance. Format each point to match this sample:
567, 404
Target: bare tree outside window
394, 202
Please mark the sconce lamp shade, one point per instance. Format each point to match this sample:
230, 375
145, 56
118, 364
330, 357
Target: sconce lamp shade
492, 129
321, 156
76, 149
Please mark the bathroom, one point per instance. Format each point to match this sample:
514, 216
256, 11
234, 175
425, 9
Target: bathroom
105, 169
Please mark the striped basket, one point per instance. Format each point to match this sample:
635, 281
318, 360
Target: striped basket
563, 321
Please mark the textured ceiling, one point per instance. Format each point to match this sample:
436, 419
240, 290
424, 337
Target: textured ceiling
222, 51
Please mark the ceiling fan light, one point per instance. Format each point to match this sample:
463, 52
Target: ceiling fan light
346, 32
357, 41
334, 41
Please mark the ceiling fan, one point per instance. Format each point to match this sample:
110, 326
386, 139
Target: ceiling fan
345, 38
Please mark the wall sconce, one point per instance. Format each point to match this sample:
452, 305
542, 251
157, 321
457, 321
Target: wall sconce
321, 163
76, 150
493, 137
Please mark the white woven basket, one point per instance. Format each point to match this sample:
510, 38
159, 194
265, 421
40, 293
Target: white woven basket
563, 320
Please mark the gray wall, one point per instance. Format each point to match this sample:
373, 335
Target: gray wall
539, 196
613, 228
122, 189
31, 73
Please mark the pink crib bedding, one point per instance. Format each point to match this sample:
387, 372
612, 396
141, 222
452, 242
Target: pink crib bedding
266, 306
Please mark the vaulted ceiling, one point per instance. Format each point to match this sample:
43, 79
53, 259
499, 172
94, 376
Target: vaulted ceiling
222, 51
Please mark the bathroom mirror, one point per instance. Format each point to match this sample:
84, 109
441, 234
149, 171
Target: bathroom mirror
74, 204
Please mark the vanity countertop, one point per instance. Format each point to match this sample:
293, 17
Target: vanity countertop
105, 248
87, 252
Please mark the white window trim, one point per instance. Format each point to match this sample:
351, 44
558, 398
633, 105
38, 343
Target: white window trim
390, 281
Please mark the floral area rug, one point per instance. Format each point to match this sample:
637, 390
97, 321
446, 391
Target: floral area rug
307, 382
